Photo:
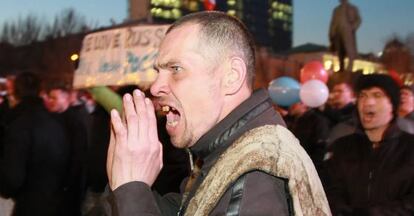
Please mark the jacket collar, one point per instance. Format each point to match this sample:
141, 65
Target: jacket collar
392, 132
221, 135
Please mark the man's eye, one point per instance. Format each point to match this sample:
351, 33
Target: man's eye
362, 96
378, 95
176, 68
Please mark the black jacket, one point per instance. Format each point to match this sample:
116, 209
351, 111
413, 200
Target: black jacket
269, 197
76, 122
34, 162
311, 129
366, 181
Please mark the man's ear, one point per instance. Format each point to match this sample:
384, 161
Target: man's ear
235, 76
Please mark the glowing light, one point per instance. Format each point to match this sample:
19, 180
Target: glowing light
231, 12
74, 57
328, 64
336, 68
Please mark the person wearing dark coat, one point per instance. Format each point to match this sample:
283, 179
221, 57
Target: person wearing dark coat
250, 163
370, 172
406, 108
35, 157
312, 128
341, 107
75, 119
341, 111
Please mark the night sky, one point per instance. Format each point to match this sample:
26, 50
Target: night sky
381, 19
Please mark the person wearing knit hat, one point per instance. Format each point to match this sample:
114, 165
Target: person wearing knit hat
385, 83
406, 109
370, 171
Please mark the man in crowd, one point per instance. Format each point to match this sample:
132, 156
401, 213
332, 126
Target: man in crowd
36, 155
312, 135
204, 86
406, 108
341, 106
75, 120
341, 109
371, 171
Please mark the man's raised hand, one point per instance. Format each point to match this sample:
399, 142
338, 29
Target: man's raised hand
135, 153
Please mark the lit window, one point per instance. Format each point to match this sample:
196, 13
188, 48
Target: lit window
167, 14
280, 15
176, 13
274, 5
289, 9
156, 2
274, 15
231, 12
193, 6
328, 64
158, 12
177, 3
231, 2
336, 67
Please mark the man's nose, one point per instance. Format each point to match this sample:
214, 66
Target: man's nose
369, 101
160, 86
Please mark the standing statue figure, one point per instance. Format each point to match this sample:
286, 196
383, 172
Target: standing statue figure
344, 24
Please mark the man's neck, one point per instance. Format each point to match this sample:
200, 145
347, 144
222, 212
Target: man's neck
403, 113
376, 134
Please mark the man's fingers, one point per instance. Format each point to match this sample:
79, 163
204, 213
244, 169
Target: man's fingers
134, 154
152, 121
160, 156
110, 154
119, 130
141, 110
131, 119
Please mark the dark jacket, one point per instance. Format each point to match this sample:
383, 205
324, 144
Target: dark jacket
97, 150
76, 121
336, 116
262, 194
410, 116
33, 166
366, 181
311, 129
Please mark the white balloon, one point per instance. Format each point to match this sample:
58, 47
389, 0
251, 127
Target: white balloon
314, 93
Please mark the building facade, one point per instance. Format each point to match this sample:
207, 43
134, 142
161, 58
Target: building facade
138, 9
270, 21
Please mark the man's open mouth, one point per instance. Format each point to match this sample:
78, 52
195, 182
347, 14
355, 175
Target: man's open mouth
172, 114
368, 115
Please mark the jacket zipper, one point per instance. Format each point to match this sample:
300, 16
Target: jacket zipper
369, 185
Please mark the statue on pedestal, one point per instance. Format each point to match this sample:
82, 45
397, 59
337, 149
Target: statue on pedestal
342, 33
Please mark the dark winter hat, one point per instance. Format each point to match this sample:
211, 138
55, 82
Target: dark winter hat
385, 82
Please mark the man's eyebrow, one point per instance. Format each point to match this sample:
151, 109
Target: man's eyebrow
157, 66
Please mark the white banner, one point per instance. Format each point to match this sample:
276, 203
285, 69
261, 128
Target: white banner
119, 56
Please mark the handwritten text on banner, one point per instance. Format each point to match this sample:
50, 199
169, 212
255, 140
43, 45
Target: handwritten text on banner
119, 56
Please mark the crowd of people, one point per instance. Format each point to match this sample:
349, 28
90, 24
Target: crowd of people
360, 142
65, 152
53, 148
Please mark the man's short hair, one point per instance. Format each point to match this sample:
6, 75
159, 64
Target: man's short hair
226, 34
340, 78
409, 88
26, 84
58, 85
384, 82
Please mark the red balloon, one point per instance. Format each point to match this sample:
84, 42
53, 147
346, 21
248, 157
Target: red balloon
313, 70
394, 75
